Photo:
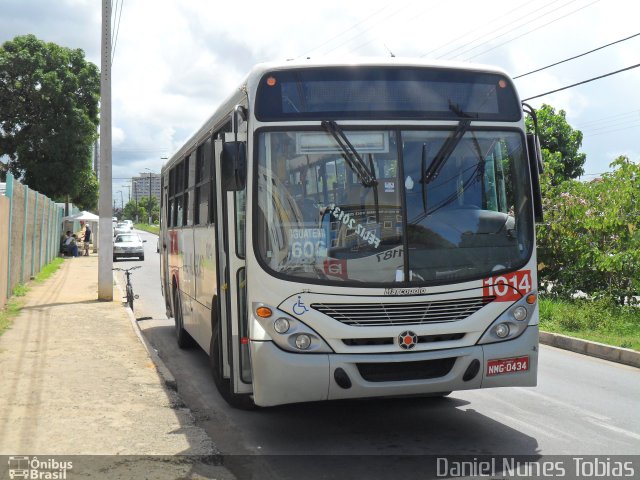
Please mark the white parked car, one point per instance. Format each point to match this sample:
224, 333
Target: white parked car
128, 245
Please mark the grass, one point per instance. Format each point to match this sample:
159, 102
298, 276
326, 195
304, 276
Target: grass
49, 270
147, 228
598, 321
15, 303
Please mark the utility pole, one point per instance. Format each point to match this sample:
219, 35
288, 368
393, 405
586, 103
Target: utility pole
129, 192
105, 252
135, 195
149, 194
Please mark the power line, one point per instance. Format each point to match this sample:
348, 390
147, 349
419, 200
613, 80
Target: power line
582, 83
347, 30
577, 56
396, 12
508, 31
117, 29
613, 131
588, 124
414, 18
530, 31
608, 125
499, 17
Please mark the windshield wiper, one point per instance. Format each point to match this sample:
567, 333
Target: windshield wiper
351, 155
445, 151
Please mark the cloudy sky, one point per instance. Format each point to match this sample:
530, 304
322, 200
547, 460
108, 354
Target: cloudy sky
175, 60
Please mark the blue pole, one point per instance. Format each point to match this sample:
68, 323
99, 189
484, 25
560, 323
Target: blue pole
33, 239
25, 218
9, 195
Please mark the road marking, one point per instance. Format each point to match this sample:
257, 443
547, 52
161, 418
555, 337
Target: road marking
569, 406
614, 429
547, 430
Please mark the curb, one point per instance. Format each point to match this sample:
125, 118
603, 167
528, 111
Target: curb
625, 356
166, 375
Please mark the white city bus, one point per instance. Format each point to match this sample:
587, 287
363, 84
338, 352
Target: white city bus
356, 229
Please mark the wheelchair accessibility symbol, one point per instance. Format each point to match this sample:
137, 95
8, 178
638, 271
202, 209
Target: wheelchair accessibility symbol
299, 308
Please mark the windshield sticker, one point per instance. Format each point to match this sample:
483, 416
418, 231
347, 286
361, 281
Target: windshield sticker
348, 220
336, 268
307, 243
389, 187
389, 254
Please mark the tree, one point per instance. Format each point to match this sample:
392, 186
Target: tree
48, 118
590, 240
131, 213
560, 144
155, 208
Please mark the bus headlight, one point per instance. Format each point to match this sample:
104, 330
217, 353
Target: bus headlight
281, 325
303, 341
520, 313
289, 333
502, 330
511, 323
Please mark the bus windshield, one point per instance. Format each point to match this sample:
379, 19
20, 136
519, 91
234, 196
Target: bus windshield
444, 205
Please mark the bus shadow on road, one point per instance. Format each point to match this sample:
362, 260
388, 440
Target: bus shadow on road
372, 438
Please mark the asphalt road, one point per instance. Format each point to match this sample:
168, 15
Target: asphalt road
581, 406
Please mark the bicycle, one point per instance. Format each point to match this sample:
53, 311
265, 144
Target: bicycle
129, 286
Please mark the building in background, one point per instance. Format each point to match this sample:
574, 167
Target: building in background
143, 183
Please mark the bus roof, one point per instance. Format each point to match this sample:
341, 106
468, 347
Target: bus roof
249, 84
260, 69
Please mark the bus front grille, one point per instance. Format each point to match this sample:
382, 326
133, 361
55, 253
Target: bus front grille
417, 313
403, 371
371, 342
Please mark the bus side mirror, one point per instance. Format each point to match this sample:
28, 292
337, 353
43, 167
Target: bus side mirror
535, 167
233, 166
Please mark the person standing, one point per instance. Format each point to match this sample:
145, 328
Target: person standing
87, 239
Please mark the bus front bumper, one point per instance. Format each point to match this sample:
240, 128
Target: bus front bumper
281, 377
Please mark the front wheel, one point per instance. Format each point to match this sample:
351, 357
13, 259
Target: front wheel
239, 401
130, 296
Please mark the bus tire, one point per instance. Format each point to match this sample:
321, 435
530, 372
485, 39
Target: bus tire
239, 401
183, 338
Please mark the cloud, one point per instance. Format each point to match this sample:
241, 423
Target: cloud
176, 61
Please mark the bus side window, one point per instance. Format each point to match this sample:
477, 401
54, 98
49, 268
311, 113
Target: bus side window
189, 186
203, 180
209, 188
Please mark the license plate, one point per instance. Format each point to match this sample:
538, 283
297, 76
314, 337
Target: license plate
503, 366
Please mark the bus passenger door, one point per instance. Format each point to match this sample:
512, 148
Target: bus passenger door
233, 323
162, 241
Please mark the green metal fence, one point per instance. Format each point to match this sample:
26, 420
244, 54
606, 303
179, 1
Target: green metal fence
33, 228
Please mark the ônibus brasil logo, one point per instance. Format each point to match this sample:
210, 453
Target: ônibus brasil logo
33, 468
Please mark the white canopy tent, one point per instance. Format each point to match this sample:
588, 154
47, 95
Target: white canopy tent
83, 216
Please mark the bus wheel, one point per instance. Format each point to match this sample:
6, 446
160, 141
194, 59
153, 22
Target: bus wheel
239, 401
182, 336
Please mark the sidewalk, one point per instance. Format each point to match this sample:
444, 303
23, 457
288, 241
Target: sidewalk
76, 380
